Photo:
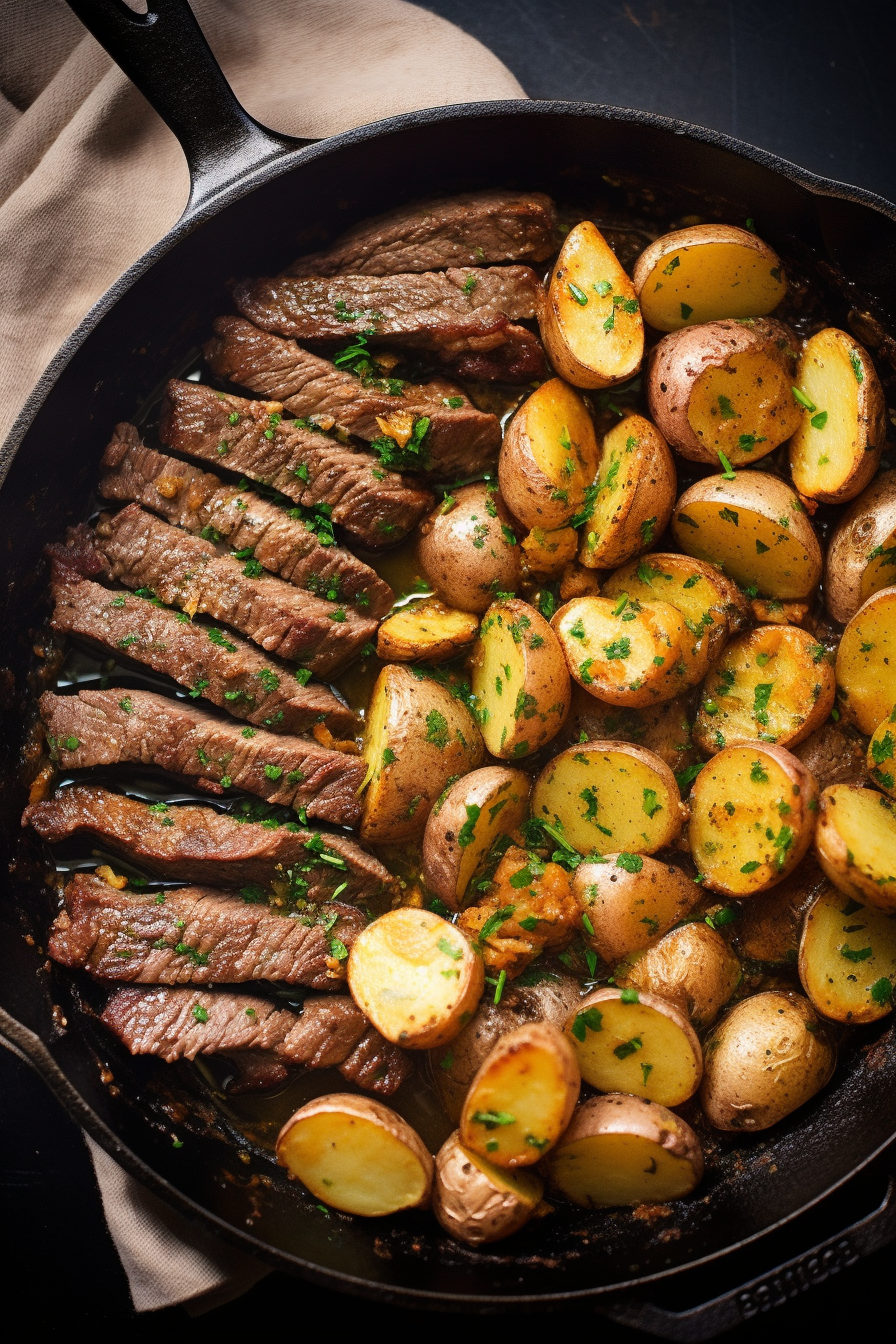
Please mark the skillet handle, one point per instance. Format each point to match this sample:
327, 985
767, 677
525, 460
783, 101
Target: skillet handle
166, 55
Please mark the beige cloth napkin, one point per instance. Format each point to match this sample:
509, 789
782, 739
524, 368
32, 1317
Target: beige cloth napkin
89, 179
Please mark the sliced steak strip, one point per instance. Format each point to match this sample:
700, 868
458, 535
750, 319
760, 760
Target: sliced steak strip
197, 844
378, 507
195, 935
201, 502
376, 1064
477, 228
232, 674
334, 1031
184, 571
112, 726
461, 440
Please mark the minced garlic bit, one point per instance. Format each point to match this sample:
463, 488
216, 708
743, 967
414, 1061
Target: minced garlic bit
111, 879
398, 426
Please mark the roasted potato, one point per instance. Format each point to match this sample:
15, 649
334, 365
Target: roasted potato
856, 844
626, 1041
629, 907
576, 581
591, 327
836, 449
622, 1150
519, 679
834, 754
417, 737
548, 457
468, 548
425, 631
548, 551
704, 273
628, 653
663, 729
848, 958
415, 977
522, 1097
357, 1155
725, 388
767, 1057
464, 824
477, 1202
769, 611
691, 966
866, 662
861, 556
882, 754
610, 795
768, 926
773, 684
755, 528
635, 490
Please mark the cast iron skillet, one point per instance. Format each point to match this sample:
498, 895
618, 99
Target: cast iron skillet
252, 192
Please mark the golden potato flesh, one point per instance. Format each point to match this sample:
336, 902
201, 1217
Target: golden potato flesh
635, 1043
464, 824
629, 907
425, 631
866, 662
636, 487
477, 1202
704, 273
519, 679
692, 967
548, 457
882, 754
749, 400
848, 958
547, 551
468, 549
627, 653
856, 843
861, 555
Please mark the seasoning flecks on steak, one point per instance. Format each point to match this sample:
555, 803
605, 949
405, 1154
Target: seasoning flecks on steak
201, 502
230, 672
460, 441
475, 229
187, 572
188, 843
113, 726
378, 507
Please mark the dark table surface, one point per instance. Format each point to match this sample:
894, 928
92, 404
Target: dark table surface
807, 79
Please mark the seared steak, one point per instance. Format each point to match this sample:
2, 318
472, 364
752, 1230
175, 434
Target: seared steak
196, 935
478, 228
376, 1064
201, 502
376, 506
334, 1031
187, 572
230, 673
196, 844
107, 727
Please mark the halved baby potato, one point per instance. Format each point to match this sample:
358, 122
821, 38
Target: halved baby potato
882, 754
357, 1155
866, 662
610, 796
725, 387
664, 728
755, 529
548, 457
848, 958
522, 1097
623, 1150
468, 550
704, 273
592, 328
753, 811
426, 632
768, 926
627, 653
637, 1043
636, 487
519, 679
464, 824
547, 551
836, 449
629, 907
415, 977
477, 1202
691, 966
772, 684
861, 556
856, 843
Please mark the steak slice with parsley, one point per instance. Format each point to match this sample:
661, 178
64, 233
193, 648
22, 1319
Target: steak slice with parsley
197, 935
331, 480
229, 672
257, 529
185, 571
188, 843
140, 727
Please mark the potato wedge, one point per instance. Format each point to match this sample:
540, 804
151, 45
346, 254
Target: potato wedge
848, 958
636, 487
836, 449
547, 551
627, 653
755, 528
519, 679
692, 967
753, 811
856, 844
415, 977
630, 907
610, 795
663, 729
622, 1150
768, 926
477, 1202
464, 824
866, 662
725, 387
425, 632
882, 754
548, 457
417, 737
861, 555
766, 1058
357, 1155
773, 684
704, 273
591, 327
468, 549
626, 1041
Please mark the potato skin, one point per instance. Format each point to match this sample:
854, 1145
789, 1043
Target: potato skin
428, 631
869, 525
630, 911
834, 754
471, 1206
535, 498
696, 237
692, 966
466, 553
767, 928
442, 850
663, 729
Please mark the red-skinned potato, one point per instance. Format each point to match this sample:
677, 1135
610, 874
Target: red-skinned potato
548, 457
465, 822
477, 1202
705, 273
468, 550
861, 555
